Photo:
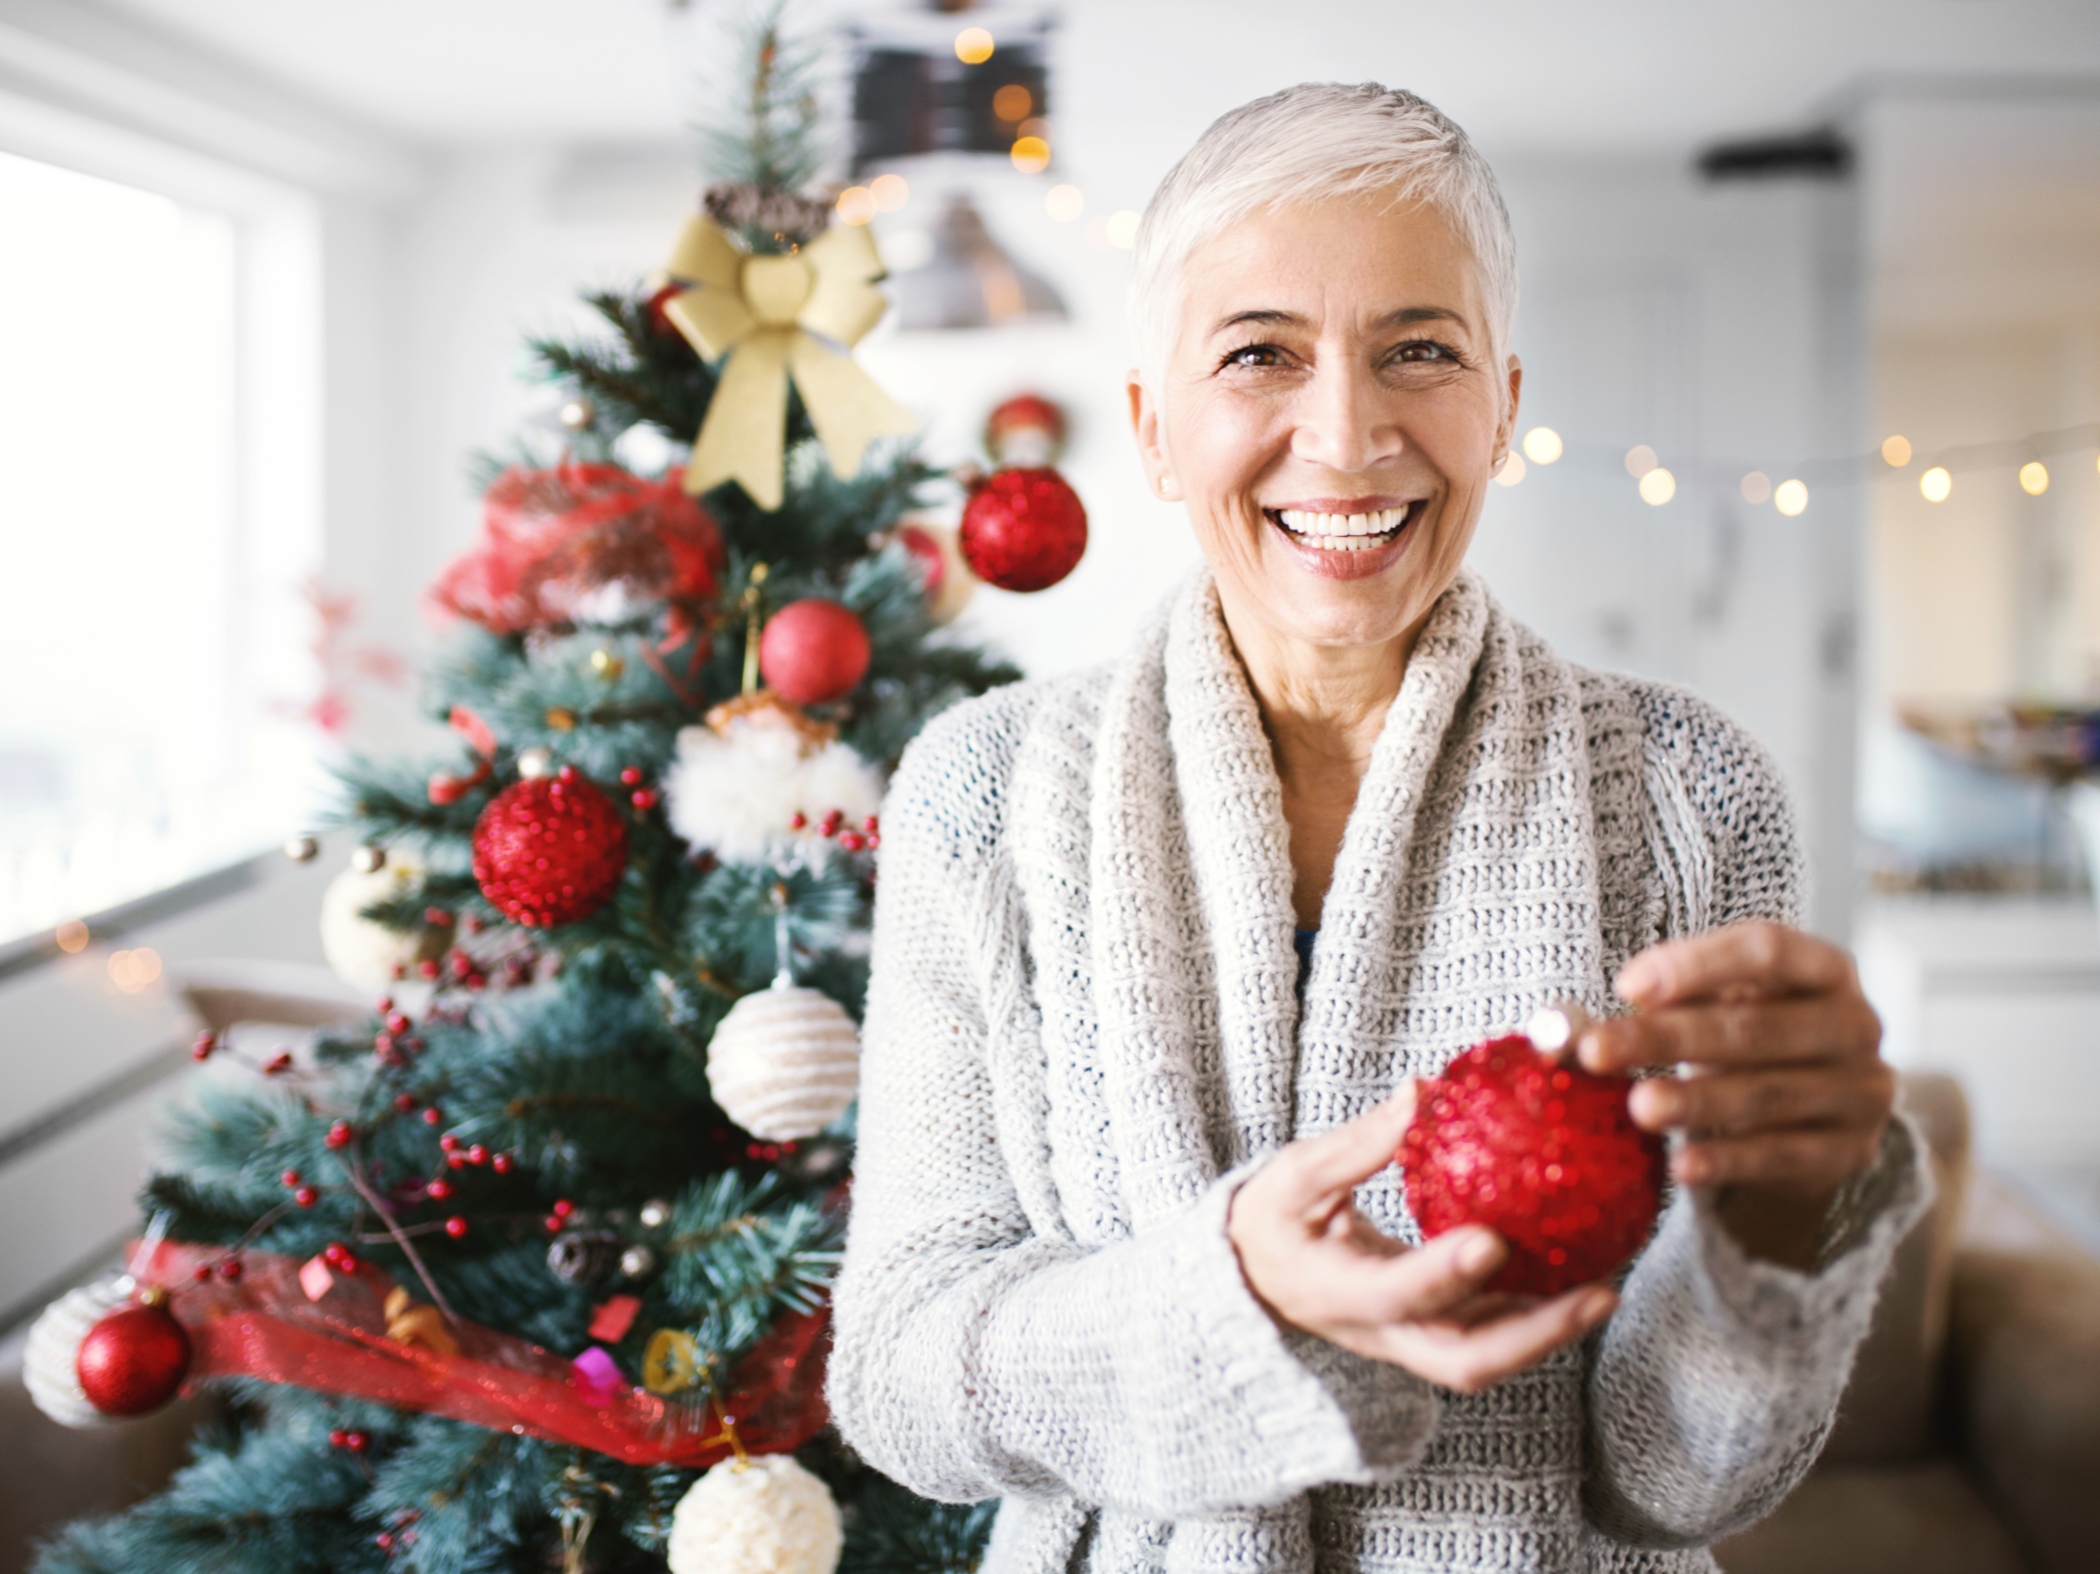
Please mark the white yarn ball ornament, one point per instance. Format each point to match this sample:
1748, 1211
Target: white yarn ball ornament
785, 1063
364, 954
765, 1515
50, 1359
736, 791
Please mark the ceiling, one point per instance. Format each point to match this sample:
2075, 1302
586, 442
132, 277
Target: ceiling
1530, 75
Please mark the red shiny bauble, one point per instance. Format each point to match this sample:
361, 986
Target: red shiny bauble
1025, 430
133, 1360
1023, 529
813, 651
549, 851
1544, 1154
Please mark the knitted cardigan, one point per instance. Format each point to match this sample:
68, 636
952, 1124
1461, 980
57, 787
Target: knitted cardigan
1084, 1029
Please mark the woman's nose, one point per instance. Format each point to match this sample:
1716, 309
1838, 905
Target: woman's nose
1342, 420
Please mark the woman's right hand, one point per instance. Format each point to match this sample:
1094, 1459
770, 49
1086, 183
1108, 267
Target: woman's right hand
1319, 1265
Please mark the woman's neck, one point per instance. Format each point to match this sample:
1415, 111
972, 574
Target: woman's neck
1323, 707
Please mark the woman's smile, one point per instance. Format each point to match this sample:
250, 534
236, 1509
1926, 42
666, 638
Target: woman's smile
1347, 538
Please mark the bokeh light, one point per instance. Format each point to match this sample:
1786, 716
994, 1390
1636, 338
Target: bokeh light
1790, 497
856, 205
1122, 229
1640, 459
132, 971
72, 937
2034, 478
1757, 487
1064, 203
1658, 486
890, 192
1512, 470
973, 46
1012, 102
1895, 451
1031, 155
1542, 445
1936, 484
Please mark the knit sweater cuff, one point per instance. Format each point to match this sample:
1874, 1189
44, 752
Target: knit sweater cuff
1365, 1421
1781, 1305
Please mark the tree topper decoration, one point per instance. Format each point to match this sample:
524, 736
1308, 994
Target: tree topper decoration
776, 314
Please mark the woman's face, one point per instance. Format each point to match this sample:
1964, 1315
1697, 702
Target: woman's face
1332, 415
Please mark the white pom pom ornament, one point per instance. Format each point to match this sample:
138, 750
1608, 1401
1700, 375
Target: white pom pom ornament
765, 1515
50, 1360
740, 781
366, 955
785, 1062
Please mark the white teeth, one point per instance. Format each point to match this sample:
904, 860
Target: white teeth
1348, 532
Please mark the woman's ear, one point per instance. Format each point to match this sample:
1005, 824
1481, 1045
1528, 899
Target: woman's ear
1144, 425
1506, 433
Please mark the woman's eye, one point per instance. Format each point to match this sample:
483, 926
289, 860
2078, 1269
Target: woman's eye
1255, 355
1425, 350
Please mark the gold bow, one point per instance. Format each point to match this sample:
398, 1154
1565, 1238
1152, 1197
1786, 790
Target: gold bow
672, 1362
776, 313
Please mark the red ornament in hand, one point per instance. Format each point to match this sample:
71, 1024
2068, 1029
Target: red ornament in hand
1544, 1154
1024, 529
813, 651
549, 850
133, 1360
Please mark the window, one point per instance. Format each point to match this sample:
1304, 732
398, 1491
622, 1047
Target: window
151, 648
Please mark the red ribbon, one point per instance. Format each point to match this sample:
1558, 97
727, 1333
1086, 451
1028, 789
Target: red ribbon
262, 1325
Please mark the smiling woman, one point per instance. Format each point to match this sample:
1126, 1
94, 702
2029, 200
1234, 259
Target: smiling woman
1127, 1246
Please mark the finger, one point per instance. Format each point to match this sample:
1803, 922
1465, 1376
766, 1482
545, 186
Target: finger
1801, 1161
1736, 1033
1470, 1359
1317, 1167
1429, 1282
1769, 957
1741, 1103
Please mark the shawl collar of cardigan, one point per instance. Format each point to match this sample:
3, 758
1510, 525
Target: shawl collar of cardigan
1480, 777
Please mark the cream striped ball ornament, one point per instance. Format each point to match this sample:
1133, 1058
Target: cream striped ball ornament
785, 1062
50, 1358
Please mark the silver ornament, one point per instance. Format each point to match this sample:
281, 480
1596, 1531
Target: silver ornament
368, 859
636, 1262
785, 1062
655, 1214
535, 762
303, 849
583, 1256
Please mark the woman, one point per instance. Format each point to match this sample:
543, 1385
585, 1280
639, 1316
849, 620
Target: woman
1128, 1248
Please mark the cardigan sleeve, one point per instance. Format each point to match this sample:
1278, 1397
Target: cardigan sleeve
1712, 1389
979, 1356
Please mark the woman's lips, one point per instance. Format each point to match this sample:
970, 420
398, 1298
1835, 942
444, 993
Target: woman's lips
1352, 541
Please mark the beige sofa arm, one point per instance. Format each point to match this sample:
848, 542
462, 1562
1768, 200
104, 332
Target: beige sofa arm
2026, 1377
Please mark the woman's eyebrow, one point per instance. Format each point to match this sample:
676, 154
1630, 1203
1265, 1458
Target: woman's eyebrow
1406, 315
1260, 314
1413, 314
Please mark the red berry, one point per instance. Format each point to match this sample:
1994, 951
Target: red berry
404, 1102
797, 820
437, 1189
333, 1254
1545, 1154
205, 1044
279, 1062
553, 1223
434, 1116
291, 1177
502, 1163
230, 1269
201, 1272
477, 1154
829, 825
384, 1541
397, 1023
437, 918
306, 1196
455, 1226
355, 1442
871, 824
383, 1005
563, 1207
427, 967
631, 776
337, 1437
339, 1134
852, 841
643, 798
456, 1159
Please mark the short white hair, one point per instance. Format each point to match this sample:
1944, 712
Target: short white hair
1307, 143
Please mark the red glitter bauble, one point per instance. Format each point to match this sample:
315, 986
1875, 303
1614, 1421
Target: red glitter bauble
1544, 1154
133, 1360
549, 851
1024, 529
813, 651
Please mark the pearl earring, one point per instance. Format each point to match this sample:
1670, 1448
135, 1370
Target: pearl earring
1167, 488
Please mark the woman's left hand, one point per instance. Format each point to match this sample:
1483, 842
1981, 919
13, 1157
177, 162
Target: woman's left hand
1784, 1095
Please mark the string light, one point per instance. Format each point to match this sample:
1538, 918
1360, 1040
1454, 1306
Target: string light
1542, 445
1064, 203
2034, 478
856, 205
1936, 484
1757, 487
1895, 452
973, 46
1512, 469
1031, 155
1640, 459
889, 192
1658, 486
1790, 497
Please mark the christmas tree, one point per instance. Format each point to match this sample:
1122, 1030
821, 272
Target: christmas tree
527, 1270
